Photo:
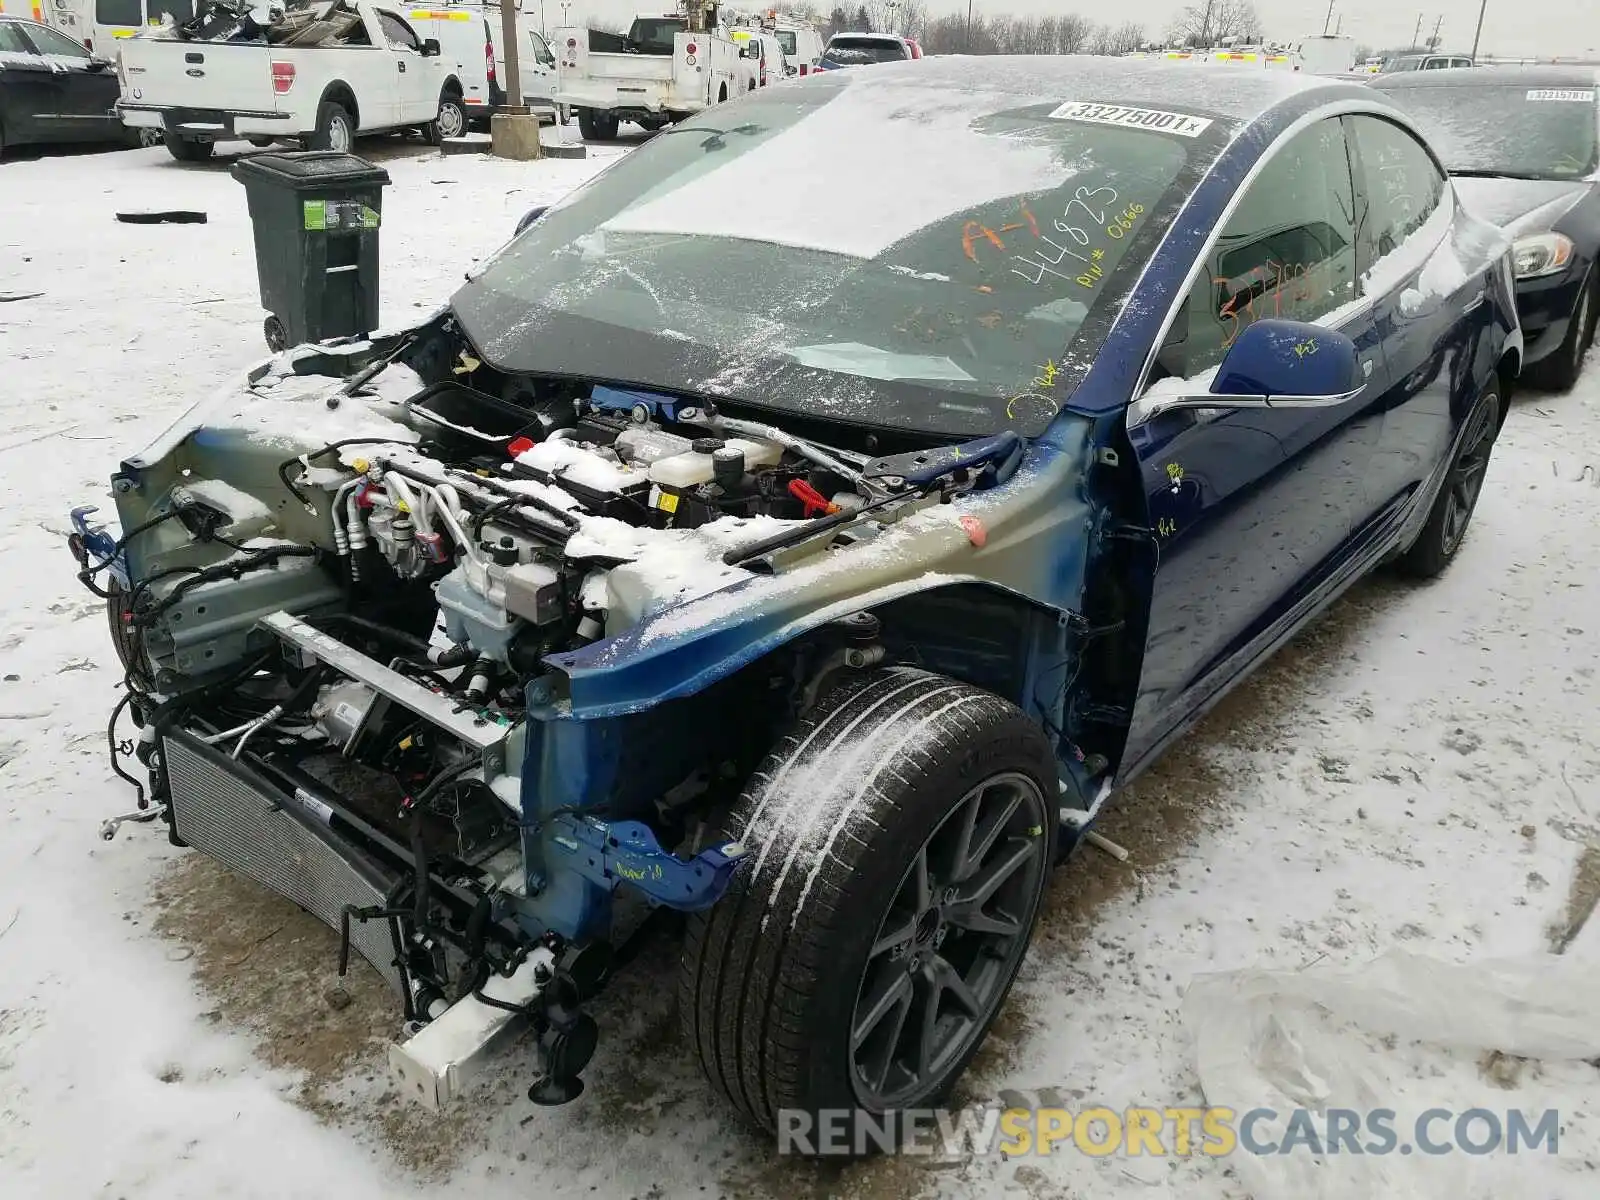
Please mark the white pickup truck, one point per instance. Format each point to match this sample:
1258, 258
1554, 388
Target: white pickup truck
317, 75
660, 71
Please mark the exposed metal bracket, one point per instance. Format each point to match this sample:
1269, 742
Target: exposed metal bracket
486, 737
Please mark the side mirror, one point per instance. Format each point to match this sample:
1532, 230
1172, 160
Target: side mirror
532, 215
100, 64
1290, 362
430, 48
1273, 364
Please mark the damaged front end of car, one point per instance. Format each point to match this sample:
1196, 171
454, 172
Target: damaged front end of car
469, 666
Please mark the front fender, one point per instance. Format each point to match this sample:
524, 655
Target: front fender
1029, 537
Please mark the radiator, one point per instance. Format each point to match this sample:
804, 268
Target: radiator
249, 825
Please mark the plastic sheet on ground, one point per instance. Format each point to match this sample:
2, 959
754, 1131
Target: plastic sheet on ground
1408, 1033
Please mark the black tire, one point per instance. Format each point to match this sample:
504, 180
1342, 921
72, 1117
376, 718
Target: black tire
876, 779
188, 149
276, 334
1560, 371
604, 124
451, 121
336, 128
1447, 522
261, 143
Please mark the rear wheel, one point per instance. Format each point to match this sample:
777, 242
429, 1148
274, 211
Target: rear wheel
336, 129
1560, 371
900, 837
188, 149
596, 125
1452, 510
260, 142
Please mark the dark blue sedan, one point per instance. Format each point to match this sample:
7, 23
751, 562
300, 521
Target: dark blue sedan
1523, 144
874, 477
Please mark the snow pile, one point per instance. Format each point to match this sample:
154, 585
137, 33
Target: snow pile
1329, 1038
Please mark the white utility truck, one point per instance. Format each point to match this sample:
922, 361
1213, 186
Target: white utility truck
1325, 54
665, 68
318, 75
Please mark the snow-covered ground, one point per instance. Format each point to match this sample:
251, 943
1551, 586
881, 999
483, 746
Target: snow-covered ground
1417, 771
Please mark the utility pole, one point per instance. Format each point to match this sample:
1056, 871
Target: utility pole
1417, 35
1328, 20
1339, 28
1434, 44
1476, 37
969, 26
1205, 26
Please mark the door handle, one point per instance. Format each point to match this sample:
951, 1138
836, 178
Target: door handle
401, 67
1476, 302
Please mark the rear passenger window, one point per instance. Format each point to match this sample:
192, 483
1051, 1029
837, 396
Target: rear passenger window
1288, 252
1403, 186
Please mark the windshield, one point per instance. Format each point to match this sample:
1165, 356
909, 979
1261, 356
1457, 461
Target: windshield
1542, 133
654, 35
859, 51
902, 259
787, 41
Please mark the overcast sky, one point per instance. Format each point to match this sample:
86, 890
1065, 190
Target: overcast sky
1513, 27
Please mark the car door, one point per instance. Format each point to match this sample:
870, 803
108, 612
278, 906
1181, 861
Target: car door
85, 88
538, 73
1252, 509
413, 94
29, 91
1428, 279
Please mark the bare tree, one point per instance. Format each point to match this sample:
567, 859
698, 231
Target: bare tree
1073, 33
1121, 39
1206, 23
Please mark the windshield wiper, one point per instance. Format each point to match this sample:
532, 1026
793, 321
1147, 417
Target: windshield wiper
1484, 173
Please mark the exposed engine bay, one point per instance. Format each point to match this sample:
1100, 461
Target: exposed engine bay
339, 661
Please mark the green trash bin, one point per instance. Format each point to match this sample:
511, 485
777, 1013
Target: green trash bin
316, 216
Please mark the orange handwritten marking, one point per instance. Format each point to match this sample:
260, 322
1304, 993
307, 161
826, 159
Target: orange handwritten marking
971, 232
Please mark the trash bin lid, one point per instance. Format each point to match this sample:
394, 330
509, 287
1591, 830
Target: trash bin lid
309, 170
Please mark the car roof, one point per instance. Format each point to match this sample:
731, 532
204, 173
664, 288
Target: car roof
1536, 76
867, 36
993, 82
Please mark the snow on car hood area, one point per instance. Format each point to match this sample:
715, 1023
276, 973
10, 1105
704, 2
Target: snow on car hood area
1345, 888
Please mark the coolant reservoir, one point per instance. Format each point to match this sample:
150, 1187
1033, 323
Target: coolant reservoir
693, 468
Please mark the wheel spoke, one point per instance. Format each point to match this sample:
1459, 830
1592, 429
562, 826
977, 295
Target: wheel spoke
987, 882
921, 882
898, 931
952, 984
987, 834
892, 990
973, 919
928, 993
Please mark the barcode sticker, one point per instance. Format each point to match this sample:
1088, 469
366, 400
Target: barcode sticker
1566, 95
1153, 119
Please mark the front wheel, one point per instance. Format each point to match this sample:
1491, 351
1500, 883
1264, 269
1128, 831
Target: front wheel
1559, 372
1452, 510
451, 121
899, 839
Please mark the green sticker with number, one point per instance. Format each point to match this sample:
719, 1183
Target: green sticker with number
316, 214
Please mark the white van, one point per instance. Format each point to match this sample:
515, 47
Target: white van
470, 42
802, 46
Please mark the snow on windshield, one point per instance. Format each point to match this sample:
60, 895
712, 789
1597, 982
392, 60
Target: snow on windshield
879, 190
1547, 133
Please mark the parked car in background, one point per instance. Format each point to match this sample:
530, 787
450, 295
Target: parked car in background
832, 625
1425, 62
470, 37
52, 89
1325, 54
863, 49
1523, 145
765, 52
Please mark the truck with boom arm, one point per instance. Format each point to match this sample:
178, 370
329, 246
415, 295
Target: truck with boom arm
665, 68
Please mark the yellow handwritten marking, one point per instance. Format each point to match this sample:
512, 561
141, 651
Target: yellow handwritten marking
1055, 406
1166, 527
1309, 346
1175, 472
1047, 375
